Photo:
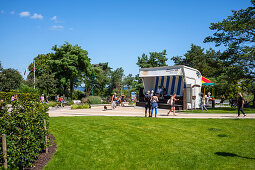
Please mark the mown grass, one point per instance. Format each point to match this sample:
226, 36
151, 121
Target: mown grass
149, 143
221, 110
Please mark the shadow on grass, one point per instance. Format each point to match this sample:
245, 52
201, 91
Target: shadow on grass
214, 129
228, 154
222, 135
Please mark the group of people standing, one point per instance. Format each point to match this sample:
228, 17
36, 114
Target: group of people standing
61, 100
117, 100
151, 103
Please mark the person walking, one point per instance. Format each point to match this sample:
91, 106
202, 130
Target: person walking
47, 99
64, 100
61, 101
147, 99
57, 99
172, 104
42, 99
122, 100
154, 105
203, 103
240, 103
114, 100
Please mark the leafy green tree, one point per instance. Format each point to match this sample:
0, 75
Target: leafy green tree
211, 65
156, 59
47, 83
99, 79
1, 66
116, 80
237, 32
206, 63
236, 29
71, 63
128, 81
10, 79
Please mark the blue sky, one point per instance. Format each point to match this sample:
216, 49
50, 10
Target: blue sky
114, 31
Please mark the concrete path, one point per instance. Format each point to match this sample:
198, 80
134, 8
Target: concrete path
136, 112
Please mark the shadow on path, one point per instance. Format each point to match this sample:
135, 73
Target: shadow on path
231, 155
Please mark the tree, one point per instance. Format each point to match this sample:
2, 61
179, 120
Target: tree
70, 63
99, 79
206, 63
1, 66
156, 59
129, 81
116, 80
10, 79
211, 65
47, 82
237, 32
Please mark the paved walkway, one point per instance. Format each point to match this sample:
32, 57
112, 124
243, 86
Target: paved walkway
136, 112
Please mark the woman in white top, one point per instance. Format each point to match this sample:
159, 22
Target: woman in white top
172, 104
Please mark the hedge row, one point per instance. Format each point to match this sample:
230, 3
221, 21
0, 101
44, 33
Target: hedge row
23, 124
22, 97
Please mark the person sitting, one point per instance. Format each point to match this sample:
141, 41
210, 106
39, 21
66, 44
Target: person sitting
164, 92
159, 91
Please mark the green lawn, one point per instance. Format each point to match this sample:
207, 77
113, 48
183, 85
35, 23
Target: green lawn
149, 143
221, 110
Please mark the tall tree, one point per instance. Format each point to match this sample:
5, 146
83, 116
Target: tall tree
156, 59
99, 79
10, 79
116, 80
70, 62
237, 33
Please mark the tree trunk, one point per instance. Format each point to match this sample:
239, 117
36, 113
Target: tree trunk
47, 91
71, 88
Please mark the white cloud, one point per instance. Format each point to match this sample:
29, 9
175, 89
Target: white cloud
57, 27
54, 18
24, 14
12, 12
37, 16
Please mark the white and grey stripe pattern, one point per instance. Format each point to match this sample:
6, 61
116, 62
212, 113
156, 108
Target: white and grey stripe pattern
173, 84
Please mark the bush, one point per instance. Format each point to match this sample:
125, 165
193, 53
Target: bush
22, 97
52, 103
27, 89
78, 95
80, 106
23, 125
93, 100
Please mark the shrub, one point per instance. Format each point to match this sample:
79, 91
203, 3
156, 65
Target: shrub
80, 106
78, 95
22, 97
94, 100
52, 103
27, 89
23, 125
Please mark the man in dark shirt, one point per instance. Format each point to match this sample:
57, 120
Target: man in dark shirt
240, 103
147, 99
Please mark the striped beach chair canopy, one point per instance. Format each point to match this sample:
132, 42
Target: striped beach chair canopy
207, 82
173, 84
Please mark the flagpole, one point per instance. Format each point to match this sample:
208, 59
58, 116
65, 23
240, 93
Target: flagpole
34, 74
